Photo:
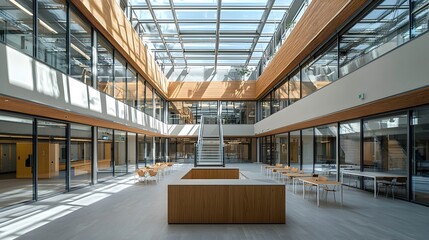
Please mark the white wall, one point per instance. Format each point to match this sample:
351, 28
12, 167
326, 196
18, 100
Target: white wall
24, 78
402, 70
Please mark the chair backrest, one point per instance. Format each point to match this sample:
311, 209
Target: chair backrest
279, 165
141, 172
294, 170
322, 178
287, 167
152, 173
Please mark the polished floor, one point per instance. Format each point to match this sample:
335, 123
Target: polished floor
123, 209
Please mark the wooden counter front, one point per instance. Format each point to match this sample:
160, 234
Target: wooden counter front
226, 201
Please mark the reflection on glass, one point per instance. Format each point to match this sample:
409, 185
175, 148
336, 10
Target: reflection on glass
420, 153
120, 88
238, 112
266, 106
131, 87
104, 154
321, 71
80, 48
350, 150
52, 33
281, 97
148, 106
420, 18
267, 150
326, 150
80, 155
120, 155
132, 151
181, 150
149, 148
104, 66
141, 151
141, 93
16, 25
16, 149
158, 106
385, 146
307, 150
295, 149
294, 88
282, 148
239, 150
381, 30
51, 158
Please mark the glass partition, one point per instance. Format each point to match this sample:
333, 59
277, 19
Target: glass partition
104, 154
420, 15
141, 93
181, 150
51, 37
16, 151
325, 161
104, 66
295, 149
16, 25
120, 157
281, 97
80, 48
120, 88
294, 87
80, 155
420, 153
148, 107
131, 151
238, 112
349, 154
238, 150
51, 158
282, 148
141, 161
266, 106
307, 150
131, 87
385, 146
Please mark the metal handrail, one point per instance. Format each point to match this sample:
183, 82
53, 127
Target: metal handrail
200, 138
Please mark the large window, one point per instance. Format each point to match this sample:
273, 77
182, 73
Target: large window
381, 30
325, 161
104, 66
239, 150
190, 112
295, 148
51, 158
307, 149
17, 160
281, 97
52, 28
349, 154
181, 150
420, 15
266, 106
148, 106
294, 87
131, 87
420, 153
80, 48
131, 151
238, 112
120, 157
80, 155
282, 148
120, 87
104, 154
16, 24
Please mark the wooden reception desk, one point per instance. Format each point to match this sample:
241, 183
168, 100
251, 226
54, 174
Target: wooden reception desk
226, 201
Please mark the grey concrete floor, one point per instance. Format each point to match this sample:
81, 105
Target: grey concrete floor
122, 209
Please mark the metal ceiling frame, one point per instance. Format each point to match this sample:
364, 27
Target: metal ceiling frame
173, 11
219, 6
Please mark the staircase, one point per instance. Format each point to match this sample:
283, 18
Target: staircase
210, 147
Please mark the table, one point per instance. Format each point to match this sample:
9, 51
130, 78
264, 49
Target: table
318, 183
295, 175
373, 175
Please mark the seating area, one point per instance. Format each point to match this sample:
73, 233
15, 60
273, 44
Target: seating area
153, 173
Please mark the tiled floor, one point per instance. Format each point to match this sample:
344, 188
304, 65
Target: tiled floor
122, 209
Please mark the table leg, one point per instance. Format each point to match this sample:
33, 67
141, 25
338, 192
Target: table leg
341, 189
293, 184
303, 189
317, 194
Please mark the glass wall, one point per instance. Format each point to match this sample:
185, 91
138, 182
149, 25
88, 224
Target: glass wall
104, 154
52, 26
349, 154
307, 139
16, 161
141, 94
16, 25
420, 15
294, 87
325, 161
159, 106
281, 97
80, 48
190, 112
295, 149
385, 145
239, 150
149, 150
120, 157
282, 148
148, 106
131, 87
238, 112
181, 150
51, 157
131, 151
267, 150
120, 87
104, 66
420, 155
321, 71
266, 106
80, 155
141, 161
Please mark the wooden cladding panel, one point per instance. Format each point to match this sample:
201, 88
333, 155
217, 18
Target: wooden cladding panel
228, 90
407, 100
212, 174
226, 204
111, 21
321, 20
34, 109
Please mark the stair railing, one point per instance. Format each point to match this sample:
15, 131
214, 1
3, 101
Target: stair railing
200, 141
221, 146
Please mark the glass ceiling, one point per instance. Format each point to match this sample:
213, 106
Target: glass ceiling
207, 32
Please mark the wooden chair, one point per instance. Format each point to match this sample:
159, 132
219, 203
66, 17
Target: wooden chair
153, 175
140, 174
